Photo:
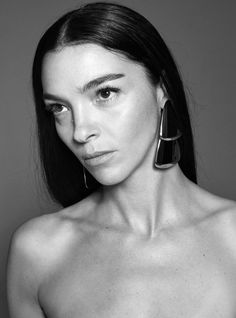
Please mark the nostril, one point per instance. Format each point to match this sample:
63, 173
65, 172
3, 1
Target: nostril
83, 135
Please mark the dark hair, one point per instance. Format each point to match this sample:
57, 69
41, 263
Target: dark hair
119, 29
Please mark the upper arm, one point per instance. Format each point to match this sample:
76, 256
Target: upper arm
23, 275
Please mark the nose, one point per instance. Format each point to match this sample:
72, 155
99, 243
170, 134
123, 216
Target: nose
84, 134
85, 129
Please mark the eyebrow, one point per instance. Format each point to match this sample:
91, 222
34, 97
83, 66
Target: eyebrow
99, 80
92, 84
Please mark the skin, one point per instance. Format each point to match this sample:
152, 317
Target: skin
150, 243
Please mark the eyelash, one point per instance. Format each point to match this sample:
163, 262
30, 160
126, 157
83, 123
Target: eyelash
105, 89
51, 107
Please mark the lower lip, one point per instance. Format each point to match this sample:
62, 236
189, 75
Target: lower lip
99, 159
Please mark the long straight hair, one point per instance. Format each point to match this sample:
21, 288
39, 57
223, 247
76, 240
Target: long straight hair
118, 29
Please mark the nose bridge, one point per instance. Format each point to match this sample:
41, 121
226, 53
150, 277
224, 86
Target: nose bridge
84, 126
80, 111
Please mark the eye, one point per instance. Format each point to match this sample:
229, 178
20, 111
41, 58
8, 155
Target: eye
56, 109
106, 94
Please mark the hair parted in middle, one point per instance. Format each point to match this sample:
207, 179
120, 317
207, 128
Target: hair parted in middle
117, 29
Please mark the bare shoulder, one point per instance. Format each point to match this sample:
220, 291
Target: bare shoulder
224, 221
221, 212
30, 247
219, 220
37, 248
33, 234
42, 240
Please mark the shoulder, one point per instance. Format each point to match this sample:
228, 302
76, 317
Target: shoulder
220, 212
41, 240
34, 231
209, 207
40, 246
40, 234
27, 258
224, 220
31, 241
219, 222
213, 215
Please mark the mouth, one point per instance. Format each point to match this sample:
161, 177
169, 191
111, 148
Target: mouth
98, 158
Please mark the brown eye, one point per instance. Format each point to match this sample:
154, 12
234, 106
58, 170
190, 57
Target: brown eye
56, 108
105, 93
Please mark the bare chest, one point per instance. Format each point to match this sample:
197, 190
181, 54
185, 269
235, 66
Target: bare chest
107, 281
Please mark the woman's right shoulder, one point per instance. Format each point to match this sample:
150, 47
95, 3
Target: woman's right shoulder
33, 238
49, 232
35, 251
29, 254
37, 228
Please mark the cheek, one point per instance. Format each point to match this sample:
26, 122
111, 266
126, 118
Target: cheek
140, 122
64, 132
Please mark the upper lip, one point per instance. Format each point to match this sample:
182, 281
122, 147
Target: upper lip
96, 154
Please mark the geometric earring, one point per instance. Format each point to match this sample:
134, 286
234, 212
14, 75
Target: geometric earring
85, 178
168, 148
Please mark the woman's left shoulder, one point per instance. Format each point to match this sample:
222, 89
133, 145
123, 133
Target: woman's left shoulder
225, 213
223, 222
217, 216
214, 210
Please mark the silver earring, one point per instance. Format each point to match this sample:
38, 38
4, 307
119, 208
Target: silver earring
85, 178
168, 148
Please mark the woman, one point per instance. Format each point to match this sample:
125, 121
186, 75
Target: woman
137, 237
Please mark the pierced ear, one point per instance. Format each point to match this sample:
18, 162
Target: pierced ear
161, 94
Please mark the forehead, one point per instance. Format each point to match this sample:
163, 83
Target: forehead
84, 62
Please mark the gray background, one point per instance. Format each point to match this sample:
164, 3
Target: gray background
201, 35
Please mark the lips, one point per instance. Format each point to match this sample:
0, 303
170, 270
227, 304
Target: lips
97, 157
95, 154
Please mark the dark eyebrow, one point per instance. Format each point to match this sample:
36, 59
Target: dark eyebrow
92, 84
99, 80
53, 97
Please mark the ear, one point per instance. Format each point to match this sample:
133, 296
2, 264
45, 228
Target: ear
161, 95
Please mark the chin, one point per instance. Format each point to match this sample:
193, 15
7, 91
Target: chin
109, 177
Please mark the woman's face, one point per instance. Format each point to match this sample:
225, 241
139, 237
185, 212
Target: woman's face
106, 111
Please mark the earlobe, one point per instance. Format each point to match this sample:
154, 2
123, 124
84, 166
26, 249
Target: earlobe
161, 94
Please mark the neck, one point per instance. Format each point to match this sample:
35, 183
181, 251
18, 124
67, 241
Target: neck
145, 207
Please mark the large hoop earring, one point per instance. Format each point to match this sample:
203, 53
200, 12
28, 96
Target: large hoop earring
168, 149
85, 178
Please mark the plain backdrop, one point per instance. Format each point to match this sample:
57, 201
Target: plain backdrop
201, 36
